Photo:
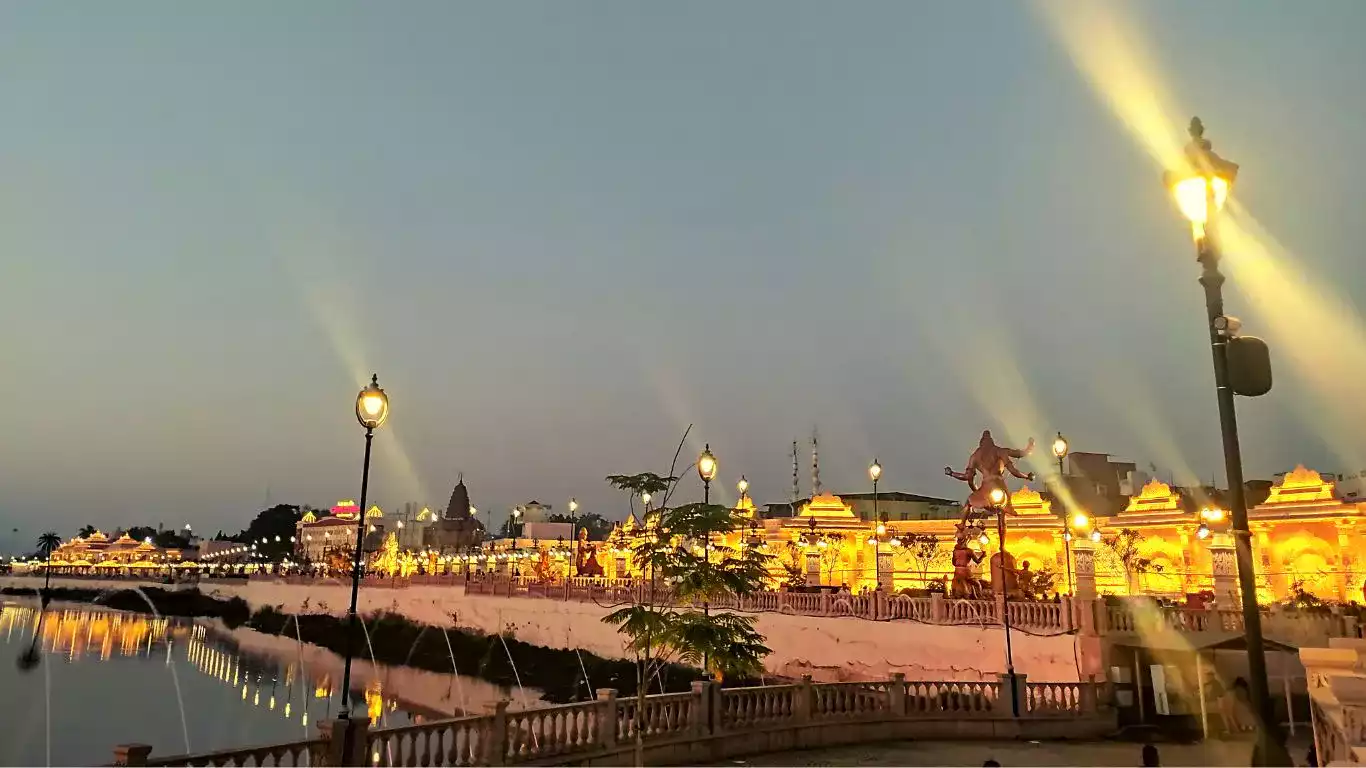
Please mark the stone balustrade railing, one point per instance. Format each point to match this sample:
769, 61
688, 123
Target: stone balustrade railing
703, 725
1045, 617
1337, 700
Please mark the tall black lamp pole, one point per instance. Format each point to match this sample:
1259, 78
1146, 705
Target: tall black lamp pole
1201, 187
372, 408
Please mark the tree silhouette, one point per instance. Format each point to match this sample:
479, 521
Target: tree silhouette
47, 544
86, 531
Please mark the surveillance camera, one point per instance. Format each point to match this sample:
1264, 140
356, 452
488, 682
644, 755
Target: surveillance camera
1227, 325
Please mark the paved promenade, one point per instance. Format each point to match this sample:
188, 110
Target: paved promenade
1023, 753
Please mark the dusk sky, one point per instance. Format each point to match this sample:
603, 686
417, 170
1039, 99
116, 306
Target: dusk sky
560, 232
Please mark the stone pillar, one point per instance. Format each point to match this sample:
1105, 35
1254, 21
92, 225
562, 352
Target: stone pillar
885, 575
896, 695
802, 700
1225, 568
939, 611
1084, 603
1084, 568
131, 754
702, 701
495, 748
813, 568
1020, 692
608, 718
345, 741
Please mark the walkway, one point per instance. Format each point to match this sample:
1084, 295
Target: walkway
1019, 753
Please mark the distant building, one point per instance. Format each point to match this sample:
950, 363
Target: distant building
896, 505
533, 512
412, 521
456, 529
316, 535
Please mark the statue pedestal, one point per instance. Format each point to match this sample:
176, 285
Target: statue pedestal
886, 580
813, 569
1225, 567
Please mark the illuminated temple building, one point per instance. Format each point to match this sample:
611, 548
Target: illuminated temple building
1306, 539
97, 552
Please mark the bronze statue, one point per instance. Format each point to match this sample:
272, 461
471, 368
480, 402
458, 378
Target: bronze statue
963, 559
588, 564
991, 462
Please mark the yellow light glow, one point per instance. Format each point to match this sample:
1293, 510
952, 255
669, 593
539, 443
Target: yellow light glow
1212, 514
1080, 521
881, 529
984, 539
874, 470
706, 465
1060, 446
997, 496
372, 405
742, 486
1192, 197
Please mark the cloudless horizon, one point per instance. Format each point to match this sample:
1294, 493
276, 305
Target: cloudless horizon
562, 232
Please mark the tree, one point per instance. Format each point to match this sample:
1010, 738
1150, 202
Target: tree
683, 565
47, 544
922, 551
1125, 545
86, 531
276, 526
597, 526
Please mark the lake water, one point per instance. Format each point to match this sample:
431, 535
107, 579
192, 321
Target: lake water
110, 678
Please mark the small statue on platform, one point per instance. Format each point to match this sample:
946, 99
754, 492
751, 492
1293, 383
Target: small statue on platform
991, 462
587, 564
963, 559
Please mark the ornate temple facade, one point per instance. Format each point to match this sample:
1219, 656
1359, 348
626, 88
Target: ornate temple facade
1306, 538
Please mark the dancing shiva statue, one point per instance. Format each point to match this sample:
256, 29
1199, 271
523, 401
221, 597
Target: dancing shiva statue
987, 495
990, 462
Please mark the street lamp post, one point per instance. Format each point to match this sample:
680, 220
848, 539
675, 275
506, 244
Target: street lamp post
706, 469
875, 474
573, 536
998, 498
1201, 187
372, 409
1060, 451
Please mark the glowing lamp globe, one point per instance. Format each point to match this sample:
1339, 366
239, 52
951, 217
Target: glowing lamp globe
1060, 446
874, 471
372, 405
1080, 521
997, 497
1202, 182
742, 486
1095, 535
706, 465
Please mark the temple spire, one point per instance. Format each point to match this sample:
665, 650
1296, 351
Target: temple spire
796, 483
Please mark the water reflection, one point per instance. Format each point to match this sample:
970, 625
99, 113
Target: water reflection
100, 657
77, 633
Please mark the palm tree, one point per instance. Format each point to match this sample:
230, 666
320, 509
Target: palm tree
30, 658
47, 544
86, 531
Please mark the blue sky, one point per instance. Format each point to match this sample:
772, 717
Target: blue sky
561, 232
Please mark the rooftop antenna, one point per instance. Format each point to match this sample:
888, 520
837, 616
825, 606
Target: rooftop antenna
815, 464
